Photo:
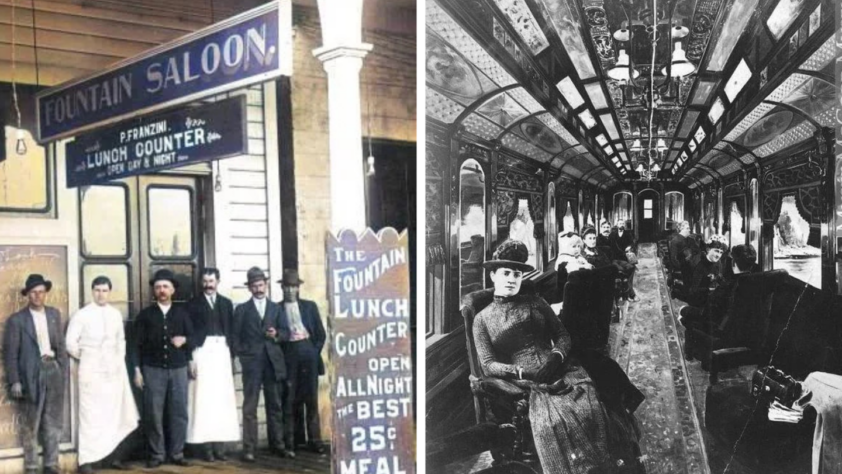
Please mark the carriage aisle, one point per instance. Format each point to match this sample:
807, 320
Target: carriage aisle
646, 345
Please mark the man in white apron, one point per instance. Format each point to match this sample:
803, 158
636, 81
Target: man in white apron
211, 400
107, 410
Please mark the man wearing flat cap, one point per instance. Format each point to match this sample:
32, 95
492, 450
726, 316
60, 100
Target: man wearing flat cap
302, 351
161, 359
36, 363
255, 337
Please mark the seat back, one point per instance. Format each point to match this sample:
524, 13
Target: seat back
746, 322
588, 302
472, 304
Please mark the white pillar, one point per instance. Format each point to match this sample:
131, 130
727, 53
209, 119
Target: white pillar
342, 57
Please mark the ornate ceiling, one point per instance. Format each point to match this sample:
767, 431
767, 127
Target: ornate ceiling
532, 77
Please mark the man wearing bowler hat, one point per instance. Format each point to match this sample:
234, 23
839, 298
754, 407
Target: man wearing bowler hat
302, 351
161, 357
36, 363
255, 337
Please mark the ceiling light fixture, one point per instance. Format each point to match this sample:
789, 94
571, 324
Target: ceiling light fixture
680, 66
623, 71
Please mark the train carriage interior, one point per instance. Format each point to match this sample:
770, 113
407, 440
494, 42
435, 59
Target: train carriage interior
695, 126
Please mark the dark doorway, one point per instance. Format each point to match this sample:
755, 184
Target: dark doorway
648, 212
390, 199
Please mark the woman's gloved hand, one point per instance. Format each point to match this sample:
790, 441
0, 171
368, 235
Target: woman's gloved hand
550, 369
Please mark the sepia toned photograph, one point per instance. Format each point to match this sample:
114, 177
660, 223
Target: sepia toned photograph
207, 236
631, 236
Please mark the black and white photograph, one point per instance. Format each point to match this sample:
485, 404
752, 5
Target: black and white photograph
631, 230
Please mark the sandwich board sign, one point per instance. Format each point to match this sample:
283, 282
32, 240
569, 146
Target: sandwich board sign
371, 381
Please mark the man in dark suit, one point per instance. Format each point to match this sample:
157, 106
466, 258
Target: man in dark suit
36, 363
255, 337
621, 242
212, 402
302, 351
161, 357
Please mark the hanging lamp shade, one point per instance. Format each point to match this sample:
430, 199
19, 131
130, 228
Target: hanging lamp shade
679, 32
623, 34
622, 70
680, 65
639, 168
636, 145
656, 168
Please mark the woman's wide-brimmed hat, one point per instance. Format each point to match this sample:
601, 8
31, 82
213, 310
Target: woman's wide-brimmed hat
164, 274
510, 254
34, 280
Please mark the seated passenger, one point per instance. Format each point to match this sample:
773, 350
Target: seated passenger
678, 243
596, 256
569, 260
621, 243
520, 339
706, 276
707, 317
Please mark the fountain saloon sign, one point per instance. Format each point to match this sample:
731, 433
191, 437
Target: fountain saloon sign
246, 49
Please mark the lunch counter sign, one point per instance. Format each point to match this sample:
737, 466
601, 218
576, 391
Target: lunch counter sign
230, 55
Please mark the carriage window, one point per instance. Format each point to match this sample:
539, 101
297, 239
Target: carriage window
793, 251
622, 207
523, 229
754, 223
568, 221
675, 209
737, 225
552, 225
647, 208
471, 227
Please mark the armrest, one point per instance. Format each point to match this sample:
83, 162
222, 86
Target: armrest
498, 388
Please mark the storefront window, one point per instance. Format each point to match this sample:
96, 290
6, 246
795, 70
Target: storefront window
24, 179
171, 232
104, 222
792, 251
119, 276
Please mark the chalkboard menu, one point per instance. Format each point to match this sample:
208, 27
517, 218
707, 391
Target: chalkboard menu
16, 262
371, 371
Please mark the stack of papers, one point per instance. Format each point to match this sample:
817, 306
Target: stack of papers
779, 412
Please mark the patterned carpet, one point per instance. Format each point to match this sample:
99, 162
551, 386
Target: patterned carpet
648, 349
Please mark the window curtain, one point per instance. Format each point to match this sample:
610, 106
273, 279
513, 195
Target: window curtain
561, 208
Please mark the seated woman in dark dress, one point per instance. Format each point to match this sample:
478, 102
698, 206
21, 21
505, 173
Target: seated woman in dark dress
596, 256
706, 273
519, 338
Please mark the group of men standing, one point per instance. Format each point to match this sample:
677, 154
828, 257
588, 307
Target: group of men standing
182, 359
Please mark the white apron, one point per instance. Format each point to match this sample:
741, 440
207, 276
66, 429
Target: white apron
211, 401
107, 410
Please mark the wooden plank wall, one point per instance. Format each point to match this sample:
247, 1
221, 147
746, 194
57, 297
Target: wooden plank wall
241, 220
76, 38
